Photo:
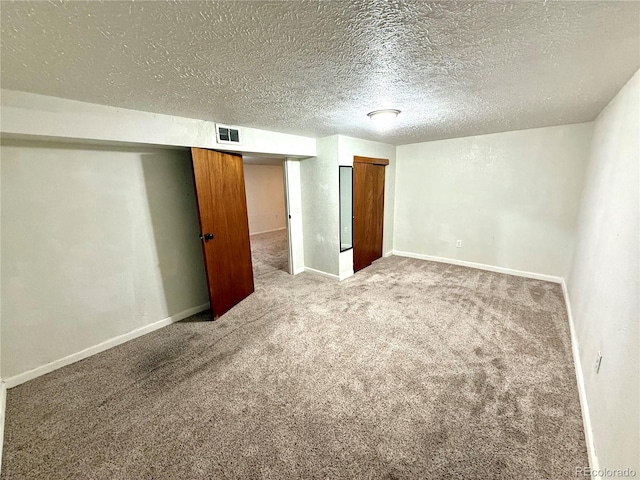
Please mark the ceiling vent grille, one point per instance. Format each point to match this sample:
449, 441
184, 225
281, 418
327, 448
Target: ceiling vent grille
227, 134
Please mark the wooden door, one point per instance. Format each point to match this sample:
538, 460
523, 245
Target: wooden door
368, 210
224, 227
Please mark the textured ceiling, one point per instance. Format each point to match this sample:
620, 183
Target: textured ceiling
317, 68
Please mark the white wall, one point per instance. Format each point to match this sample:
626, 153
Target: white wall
346, 207
349, 147
265, 197
43, 118
320, 214
512, 198
320, 201
604, 285
97, 241
3, 390
58, 118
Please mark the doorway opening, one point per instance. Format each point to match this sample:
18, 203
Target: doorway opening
244, 210
266, 188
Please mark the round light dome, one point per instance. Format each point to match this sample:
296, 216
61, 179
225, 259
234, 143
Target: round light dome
383, 118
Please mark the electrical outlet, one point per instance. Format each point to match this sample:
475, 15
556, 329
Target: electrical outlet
458, 243
598, 361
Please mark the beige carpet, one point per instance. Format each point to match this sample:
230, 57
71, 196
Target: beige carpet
410, 369
269, 252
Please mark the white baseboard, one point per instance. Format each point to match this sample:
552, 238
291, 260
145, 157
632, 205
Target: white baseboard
101, 347
298, 270
320, 272
480, 266
344, 276
582, 393
3, 406
268, 231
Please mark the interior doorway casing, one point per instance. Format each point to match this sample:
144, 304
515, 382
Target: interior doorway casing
292, 192
293, 189
287, 212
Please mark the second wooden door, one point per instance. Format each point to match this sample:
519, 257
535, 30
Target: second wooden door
368, 210
222, 209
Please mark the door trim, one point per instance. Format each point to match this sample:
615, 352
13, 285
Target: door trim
287, 212
371, 160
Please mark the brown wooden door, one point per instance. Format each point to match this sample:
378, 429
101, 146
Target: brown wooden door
368, 210
222, 209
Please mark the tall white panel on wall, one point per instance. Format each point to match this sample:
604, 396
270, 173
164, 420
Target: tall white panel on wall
320, 210
294, 199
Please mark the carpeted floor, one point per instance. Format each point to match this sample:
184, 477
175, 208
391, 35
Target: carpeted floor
269, 252
410, 369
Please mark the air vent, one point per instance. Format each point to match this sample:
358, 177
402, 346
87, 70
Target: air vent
227, 134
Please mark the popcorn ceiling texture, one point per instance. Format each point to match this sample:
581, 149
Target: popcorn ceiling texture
316, 68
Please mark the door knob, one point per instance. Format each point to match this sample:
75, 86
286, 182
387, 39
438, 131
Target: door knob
206, 237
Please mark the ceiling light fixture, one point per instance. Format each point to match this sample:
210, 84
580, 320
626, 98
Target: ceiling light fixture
383, 118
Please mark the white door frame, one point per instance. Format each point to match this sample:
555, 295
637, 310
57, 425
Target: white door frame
287, 213
293, 212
